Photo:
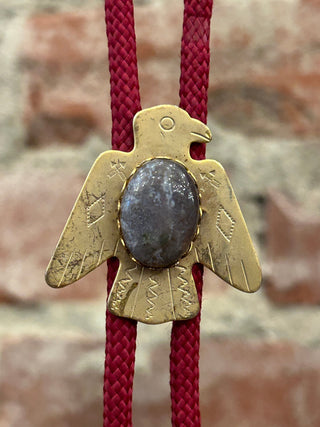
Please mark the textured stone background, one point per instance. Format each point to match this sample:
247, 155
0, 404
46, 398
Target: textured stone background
260, 358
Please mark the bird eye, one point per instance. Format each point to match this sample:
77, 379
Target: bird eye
167, 123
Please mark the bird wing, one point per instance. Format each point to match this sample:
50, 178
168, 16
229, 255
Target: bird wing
90, 234
224, 244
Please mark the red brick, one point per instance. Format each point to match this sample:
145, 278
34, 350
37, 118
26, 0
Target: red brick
265, 74
34, 207
259, 384
66, 79
66, 82
242, 383
293, 250
58, 381
51, 382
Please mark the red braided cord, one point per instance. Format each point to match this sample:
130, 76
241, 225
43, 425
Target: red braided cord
185, 337
125, 98
125, 102
119, 364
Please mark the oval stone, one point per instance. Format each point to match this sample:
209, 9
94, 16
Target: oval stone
159, 213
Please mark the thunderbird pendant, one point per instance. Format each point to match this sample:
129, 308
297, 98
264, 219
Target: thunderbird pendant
159, 211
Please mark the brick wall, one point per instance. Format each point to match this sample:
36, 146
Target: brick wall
260, 353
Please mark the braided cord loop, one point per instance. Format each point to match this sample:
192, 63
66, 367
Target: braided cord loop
185, 336
125, 103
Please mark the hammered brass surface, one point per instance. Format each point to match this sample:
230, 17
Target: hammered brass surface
92, 235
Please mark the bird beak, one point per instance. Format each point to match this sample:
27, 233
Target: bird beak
200, 132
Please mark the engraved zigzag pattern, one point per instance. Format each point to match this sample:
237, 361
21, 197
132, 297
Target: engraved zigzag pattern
122, 288
151, 298
184, 289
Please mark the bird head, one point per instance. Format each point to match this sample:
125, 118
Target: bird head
168, 125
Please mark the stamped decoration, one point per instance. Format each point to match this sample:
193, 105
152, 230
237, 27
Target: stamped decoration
159, 211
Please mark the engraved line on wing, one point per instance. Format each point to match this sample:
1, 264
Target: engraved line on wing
197, 255
138, 289
171, 295
245, 275
229, 270
100, 253
82, 262
65, 269
116, 247
211, 260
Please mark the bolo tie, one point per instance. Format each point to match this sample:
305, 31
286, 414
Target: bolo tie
157, 212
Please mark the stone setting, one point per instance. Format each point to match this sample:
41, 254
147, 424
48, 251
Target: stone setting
159, 213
